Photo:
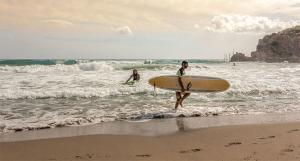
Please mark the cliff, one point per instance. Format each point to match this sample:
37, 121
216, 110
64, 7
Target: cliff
277, 47
238, 57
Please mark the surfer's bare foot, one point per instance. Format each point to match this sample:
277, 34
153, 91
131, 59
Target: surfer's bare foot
183, 98
180, 103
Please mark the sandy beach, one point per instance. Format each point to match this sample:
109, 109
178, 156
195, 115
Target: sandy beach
260, 142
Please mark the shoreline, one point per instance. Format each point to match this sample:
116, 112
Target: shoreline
156, 127
260, 142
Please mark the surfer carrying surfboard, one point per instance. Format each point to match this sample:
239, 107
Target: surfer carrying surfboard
180, 96
135, 76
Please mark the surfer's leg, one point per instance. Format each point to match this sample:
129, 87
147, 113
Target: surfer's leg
178, 99
184, 97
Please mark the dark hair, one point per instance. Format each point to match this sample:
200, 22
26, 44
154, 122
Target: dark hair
184, 62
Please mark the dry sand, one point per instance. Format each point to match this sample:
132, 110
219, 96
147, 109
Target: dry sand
268, 142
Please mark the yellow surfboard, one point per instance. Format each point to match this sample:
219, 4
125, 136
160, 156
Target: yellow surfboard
191, 83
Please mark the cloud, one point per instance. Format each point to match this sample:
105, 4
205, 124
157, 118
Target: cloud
58, 23
248, 24
296, 5
125, 30
197, 26
155, 15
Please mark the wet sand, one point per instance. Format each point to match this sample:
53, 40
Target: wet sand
156, 127
260, 142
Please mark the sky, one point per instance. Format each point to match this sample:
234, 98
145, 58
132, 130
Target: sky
139, 29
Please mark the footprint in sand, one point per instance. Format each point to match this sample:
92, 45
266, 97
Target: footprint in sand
251, 157
293, 130
287, 150
143, 155
269, 137
189, 151
89, 156
78, 157
232, 143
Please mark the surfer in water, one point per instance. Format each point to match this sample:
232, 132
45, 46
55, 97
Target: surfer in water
180, 96
135, 76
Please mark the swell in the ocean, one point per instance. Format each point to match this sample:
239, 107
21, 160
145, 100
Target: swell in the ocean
22, 62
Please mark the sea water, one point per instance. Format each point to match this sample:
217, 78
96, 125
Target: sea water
37, 94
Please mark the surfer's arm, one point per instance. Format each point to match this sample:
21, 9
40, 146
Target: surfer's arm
180, 74
180, 83
128, 79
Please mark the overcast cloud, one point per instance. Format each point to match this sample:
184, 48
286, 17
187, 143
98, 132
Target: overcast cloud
138, 29
248, 24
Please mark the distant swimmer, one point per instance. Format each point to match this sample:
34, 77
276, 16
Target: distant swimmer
135, 77
180, 96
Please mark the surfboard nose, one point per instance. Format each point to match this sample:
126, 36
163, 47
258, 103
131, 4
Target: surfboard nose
226, 85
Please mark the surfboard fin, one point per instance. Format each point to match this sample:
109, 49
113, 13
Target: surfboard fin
154, 90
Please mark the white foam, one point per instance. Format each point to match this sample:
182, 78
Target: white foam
92, 92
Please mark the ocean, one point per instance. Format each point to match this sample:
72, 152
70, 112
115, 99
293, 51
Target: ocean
38, 94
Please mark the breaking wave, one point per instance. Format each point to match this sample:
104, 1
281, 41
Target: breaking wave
37, 96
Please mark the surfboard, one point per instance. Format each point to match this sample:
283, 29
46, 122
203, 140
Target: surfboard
130, 83
191, 83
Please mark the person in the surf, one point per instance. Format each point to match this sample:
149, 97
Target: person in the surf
180, 96
135, 77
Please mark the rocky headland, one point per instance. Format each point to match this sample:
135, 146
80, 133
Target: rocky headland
276, 47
